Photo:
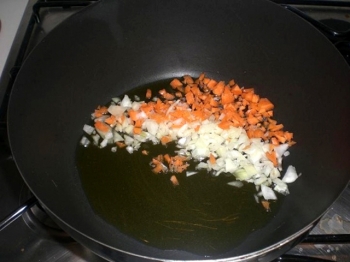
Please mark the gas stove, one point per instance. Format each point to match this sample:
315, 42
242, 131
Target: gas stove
28, 234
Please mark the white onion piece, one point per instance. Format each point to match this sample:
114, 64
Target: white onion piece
128, 140
151, 126
260, 180
202, 165
117, 137
182, 141
256, 199
268, 193
116, 110
129, 129
238, 184
136, 105
130, 149
126, 102
96, 138
84, 141
280, 186
291, 175
191, 173
104, 143
281, 149
116, 99
109, 135
89, 129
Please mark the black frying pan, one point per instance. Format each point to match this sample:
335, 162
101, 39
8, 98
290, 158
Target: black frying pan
114, 46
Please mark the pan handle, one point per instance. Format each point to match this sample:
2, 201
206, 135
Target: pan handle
18, 212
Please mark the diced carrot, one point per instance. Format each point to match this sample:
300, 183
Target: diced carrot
133, 114
189, 98
175, 83
138, 123
236, 90
274, 141
145, 152
169, 96
255, 98
178, 94
248, 95
266, 205
100, 111
232, 82
272, 157
162, 92
165, 140
137, 130
252, 120
111, 120
174, 180
188, 79
212, 159
148, 93
167, 158
275, 127
102, 126
225, 124
211, 83
120, 144
265, 104
227, 97
288, 135
158, 168
219, 88
201, 77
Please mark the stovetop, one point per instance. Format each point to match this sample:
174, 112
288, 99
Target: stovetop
34, 237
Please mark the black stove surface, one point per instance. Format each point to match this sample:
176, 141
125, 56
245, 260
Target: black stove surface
34, 237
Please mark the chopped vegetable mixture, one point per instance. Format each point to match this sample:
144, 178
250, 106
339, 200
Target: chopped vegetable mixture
223, 127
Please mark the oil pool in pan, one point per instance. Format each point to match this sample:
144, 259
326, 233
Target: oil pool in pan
203, 215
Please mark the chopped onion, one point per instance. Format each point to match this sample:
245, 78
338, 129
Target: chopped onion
117, 137
291, 175
116, 110
128, 140
96, 138
126, 102
130, 149
287, 153
280, 186
84, 141
190, 173
104, 143
236, 183
89, 129
116, 99
268, 193
260, 180
281, 149
256, 198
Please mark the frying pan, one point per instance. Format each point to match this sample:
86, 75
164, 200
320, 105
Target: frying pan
114, 46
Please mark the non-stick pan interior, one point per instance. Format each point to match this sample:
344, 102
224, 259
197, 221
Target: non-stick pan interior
114, 46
